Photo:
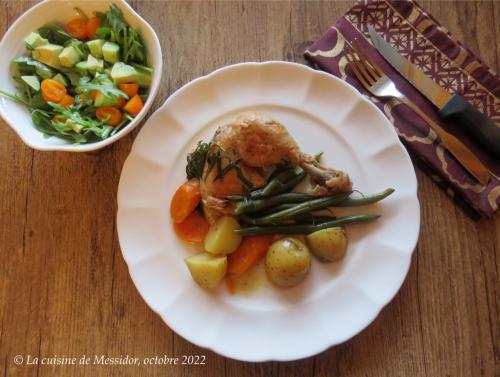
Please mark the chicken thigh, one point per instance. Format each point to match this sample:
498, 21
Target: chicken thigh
259, 142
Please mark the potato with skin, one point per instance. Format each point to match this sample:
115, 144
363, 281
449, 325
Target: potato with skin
207, 270
328, 245
287, 262
221, 238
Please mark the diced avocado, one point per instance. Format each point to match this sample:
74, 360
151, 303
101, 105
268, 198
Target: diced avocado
111, 52
123, 73
102, 100
34, 40
74, 126
74, 78
95, 47
82, 68
32, 81
94, 65
60, 79
144, 75
48, 54
69, 56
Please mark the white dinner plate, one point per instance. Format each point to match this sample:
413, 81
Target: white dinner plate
336, 301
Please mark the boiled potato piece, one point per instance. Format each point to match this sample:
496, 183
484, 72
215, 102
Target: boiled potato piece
207, 269
287, 262
328, 245
221, 238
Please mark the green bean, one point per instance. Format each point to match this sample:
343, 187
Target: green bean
280, 168
305, 229
308, 206
354, 202
245, 219
290, 185
235, 198
304, 218
349, 202
278, 185
282, 207
277, 208
275, 183
307, 218
252, 206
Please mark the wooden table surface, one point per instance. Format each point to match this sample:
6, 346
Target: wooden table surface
64, 286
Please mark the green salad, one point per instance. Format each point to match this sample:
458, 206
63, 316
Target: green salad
85, 80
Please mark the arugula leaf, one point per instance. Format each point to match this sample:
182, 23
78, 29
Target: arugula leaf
117, 29
115, 18
32, 96
42, 122
68, 113
55, 34
38, 102
104, 32
135, 50
86, 85
28, 66
28, 96
91, 127
14, 97
81, 13
101, 132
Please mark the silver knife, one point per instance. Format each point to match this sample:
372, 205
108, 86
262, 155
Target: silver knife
451, 106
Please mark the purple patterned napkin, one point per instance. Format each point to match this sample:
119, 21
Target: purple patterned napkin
420, 38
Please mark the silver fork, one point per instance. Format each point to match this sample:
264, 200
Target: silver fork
376, 82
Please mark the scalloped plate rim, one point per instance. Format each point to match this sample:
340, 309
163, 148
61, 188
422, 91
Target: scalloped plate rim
369, 319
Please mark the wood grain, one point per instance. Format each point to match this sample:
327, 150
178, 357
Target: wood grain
64, 286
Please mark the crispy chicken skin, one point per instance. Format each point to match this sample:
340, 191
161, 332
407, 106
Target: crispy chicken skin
261, 142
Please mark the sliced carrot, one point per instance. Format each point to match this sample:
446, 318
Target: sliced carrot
120, 102
230, 284
92, 25
250, 251
185, 200
67, 101
93, 94
134, 105
130, 89
76, 27
110, 115
194, 228
52, 90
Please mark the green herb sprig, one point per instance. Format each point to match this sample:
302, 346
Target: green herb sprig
115, 28
213, 155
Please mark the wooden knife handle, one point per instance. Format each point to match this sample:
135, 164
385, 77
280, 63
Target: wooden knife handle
483, 129
463, 154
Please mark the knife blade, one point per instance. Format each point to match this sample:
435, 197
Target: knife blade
452, 107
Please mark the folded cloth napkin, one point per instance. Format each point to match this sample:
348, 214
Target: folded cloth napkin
420, 38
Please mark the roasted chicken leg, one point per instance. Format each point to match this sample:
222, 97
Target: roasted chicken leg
258, 142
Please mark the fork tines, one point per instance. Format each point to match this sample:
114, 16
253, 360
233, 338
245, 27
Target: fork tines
365, 69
